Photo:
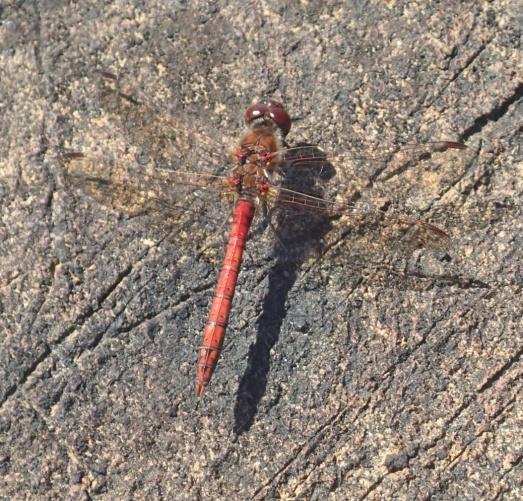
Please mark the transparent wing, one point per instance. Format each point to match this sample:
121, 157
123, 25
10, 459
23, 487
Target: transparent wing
384, 218
187, 202
138, 159
173, 141
302, 154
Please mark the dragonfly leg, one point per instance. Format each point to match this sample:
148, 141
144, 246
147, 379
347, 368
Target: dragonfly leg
264, 220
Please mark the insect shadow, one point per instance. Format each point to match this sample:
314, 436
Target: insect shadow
299, 233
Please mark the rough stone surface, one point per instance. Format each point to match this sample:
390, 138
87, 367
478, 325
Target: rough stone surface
336, 381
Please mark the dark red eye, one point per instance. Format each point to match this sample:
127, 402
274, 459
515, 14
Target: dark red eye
270, 109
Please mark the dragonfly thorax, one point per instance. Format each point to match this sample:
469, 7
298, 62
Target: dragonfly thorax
251, 180
259, 146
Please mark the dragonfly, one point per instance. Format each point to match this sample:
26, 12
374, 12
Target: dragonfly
179, 173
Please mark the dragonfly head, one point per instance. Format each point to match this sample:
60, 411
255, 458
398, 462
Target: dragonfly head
269, 110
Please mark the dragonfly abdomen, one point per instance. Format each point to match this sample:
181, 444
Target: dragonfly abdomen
222, 300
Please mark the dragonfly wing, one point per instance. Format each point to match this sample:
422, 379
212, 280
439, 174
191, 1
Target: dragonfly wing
374, 227
143, 161
133, 127
414, 176
166, 199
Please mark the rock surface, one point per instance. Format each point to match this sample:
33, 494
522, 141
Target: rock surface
336, 381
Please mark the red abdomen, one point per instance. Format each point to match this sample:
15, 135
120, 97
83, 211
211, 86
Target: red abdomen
221, 303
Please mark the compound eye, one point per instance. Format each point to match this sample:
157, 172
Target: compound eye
280, 116
270, 109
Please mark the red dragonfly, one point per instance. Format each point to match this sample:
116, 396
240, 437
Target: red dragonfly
173, 185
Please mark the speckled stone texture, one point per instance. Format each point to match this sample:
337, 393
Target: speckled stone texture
338, 379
